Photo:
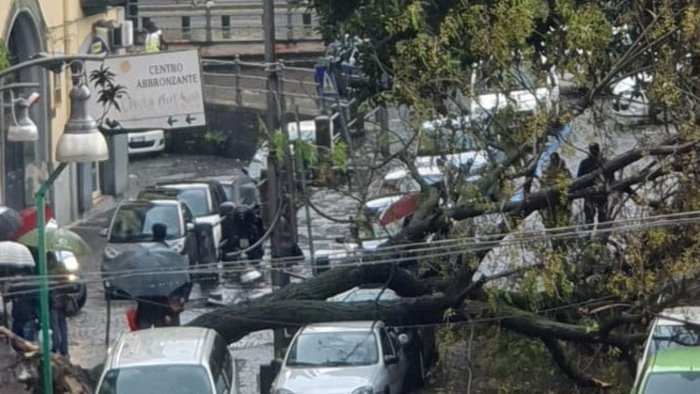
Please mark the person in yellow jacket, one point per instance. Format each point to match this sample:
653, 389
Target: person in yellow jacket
154, 39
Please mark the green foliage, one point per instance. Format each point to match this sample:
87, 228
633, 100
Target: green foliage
340, 156
4, 59
216, 138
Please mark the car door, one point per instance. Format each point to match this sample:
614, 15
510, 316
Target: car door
216, 200
394, 371
191, 245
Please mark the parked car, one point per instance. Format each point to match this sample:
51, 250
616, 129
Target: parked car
131, 228
152, 141
675, 327
204, 199
420, 350
170, 360
358, 357
671, 371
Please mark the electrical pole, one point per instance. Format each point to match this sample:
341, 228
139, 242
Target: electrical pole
283, 234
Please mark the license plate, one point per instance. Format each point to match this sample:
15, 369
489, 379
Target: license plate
244, 243
138, 139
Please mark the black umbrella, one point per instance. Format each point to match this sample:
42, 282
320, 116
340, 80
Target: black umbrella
10, 223
156, 271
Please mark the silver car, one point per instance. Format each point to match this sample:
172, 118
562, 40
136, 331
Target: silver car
357, 357
170, 360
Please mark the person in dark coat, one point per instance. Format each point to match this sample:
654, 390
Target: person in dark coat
598, 202
58, 303
25, 307
161, 311
160, 232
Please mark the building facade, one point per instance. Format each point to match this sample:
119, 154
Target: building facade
55, 27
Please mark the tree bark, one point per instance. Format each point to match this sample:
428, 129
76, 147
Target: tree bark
559, 357
233, 322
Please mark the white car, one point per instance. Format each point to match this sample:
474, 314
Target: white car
523, 94
675, 327
152, 141
172, 360
357, 357
630, 102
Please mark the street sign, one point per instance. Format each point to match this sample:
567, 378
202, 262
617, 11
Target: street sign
163, 91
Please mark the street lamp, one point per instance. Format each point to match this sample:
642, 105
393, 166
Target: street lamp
81, 141
23, 129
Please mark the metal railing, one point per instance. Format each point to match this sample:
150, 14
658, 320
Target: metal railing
245, 84
232, 21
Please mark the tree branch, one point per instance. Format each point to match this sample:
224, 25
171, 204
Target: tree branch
559, 356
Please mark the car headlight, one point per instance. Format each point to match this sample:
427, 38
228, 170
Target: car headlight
110, 253
178, 246
283, 391
364, 390
71, 264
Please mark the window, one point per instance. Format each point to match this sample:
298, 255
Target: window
333, 349
134, 223
673, 383
161, 379
221, 366
387, 346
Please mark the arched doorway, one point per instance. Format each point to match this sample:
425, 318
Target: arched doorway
23, 161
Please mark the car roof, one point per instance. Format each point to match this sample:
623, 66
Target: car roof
158, 346
678, 315
150, 202
342, 326
677, 359
184, 184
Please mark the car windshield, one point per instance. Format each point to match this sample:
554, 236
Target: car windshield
134, 223
196, 199
673, 336
672, 383
161, 379
333, 349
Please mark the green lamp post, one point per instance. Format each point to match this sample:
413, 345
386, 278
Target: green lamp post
80, 142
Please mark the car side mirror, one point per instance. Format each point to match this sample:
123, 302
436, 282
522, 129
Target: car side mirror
404, 339
227, 208
103, 232
391, 360
190, 226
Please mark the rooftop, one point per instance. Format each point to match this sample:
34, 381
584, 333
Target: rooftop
343, 326
171, 345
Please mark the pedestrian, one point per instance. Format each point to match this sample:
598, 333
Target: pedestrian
60, 303
557, 175
154, 38
161, 311
598, 202
25, 305
160, 233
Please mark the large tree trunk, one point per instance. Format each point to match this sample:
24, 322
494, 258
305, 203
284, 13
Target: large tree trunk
233, 322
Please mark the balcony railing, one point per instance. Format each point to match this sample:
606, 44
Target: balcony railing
225, 21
